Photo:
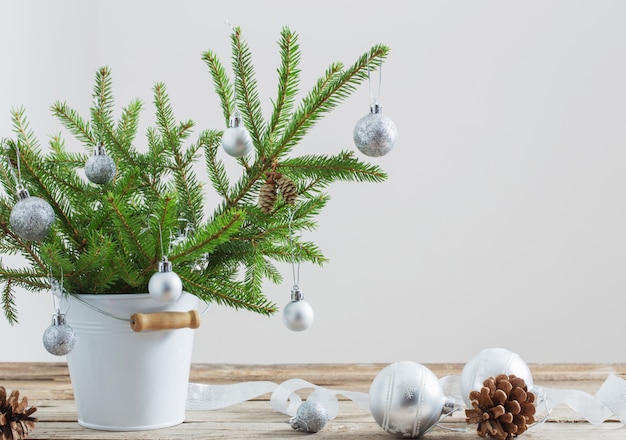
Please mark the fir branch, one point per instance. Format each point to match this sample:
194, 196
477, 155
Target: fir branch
246, 89
341, 167
222, 83
215, 167
218, 231
102, 109
74, 123
235, 298
8, 302
288, 81
127, 233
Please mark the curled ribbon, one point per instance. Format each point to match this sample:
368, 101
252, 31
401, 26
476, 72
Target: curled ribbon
608, 402
283, 399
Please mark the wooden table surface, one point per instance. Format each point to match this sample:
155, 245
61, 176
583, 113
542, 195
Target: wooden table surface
48, 387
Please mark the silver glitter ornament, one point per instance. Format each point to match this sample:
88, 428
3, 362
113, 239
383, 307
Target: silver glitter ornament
406, 399
165, 285
298, 314
100, 168
310, 417
375, 134
236, 140
489, 363
59, 338
31, 217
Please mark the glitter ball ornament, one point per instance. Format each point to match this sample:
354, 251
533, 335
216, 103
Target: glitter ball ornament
490, 363
236, 140
165, 285
31, 217
406, 399
298, 314
375, 134
100, 168
310, 417
59, 338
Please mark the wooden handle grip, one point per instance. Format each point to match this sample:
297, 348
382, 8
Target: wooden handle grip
140, 322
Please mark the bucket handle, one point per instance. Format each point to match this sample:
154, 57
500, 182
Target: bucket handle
140, 322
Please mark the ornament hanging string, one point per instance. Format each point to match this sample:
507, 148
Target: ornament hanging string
380, 82
295, 266
15, 171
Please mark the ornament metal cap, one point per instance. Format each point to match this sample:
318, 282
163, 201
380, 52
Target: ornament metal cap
296, 293
99, 150
376, 108
22, 192
165, 265
235, 120
59, 318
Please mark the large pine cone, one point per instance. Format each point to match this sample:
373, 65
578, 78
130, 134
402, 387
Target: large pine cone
503, 408
267, 196
15, 418
287, 189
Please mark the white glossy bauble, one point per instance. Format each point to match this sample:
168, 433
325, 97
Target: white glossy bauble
236, 141
165, 287
489, 363
31, 218
406, 399
298, 315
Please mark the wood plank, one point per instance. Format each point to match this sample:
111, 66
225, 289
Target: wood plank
48, 387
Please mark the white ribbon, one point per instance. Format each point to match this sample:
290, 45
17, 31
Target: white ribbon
283, 399
608, 402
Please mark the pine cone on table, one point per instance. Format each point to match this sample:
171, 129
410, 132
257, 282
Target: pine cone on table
15, 416
267, 195
503, 408
287, 189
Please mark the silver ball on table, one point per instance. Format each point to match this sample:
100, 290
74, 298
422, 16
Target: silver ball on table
310, 417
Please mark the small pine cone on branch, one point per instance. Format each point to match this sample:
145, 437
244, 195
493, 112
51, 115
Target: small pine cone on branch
15, 416
503, 408
287, 189
267, 195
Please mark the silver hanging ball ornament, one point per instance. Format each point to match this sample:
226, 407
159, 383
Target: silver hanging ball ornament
375, 134
406, 399
31, 217
489, 363
165, 286
59, 338
310, 417
236, 140
100, 167
298, 314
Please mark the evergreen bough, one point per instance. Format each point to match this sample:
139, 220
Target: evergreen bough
106, 239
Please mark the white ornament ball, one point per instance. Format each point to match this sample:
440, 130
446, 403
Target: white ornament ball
489, 363
59, 338
310, 417
298, 315
100, 168
375, 134
236, 141
165, 287
31, 218
406, 399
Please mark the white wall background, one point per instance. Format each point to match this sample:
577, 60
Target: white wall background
503, 220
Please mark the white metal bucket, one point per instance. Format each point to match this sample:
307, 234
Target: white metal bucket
127, 381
